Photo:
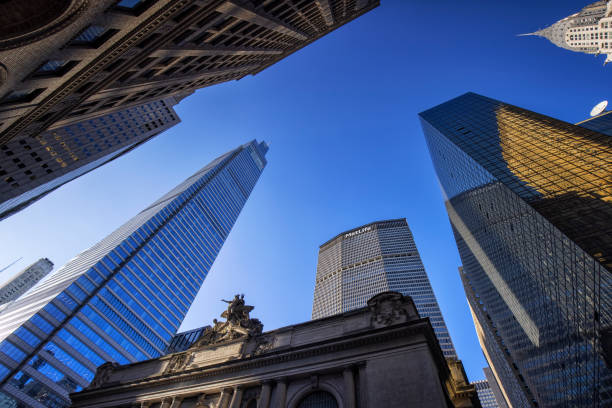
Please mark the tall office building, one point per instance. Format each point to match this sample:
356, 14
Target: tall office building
588, 31
64, 61
124, 298
67, 58
485, 394
378, 257
601, 123
25, 280
495, 388
530, 204
33, 167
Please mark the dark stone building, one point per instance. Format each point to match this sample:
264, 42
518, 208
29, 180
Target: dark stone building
67, 62
382, 355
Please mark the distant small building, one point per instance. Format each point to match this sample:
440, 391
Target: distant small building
25, 280
588, 31
485, 395
381, 355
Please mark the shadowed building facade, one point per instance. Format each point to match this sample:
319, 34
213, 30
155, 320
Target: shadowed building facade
124, 298
34, 167
66, 61
529, 198
380, 355
110, 54
381, 256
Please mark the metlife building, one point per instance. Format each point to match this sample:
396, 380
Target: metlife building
374, 258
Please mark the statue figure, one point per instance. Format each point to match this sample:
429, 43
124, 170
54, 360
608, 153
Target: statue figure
238, 324
237, 311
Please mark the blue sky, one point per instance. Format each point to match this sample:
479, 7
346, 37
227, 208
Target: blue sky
346, 149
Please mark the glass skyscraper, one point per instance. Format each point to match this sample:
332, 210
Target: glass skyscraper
374, 258
124, 298
529, 198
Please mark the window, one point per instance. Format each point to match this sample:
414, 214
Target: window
319, 399
21, 96
54, 68
93, 36
134, 7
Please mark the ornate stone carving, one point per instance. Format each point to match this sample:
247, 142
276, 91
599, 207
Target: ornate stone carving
263, 345
103, 374
388, 308
178, 362
238, 324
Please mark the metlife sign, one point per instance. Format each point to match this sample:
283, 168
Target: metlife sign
359, 231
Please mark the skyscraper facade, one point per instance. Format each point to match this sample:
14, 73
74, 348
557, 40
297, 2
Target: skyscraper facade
374, 258
124, 298
67, 58
500, 400
601, 123
485, 395
25, 280
529, 200
588, 31
33, 167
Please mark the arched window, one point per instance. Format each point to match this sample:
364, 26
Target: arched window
319, 399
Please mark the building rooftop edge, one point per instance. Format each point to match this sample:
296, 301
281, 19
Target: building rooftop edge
359, 227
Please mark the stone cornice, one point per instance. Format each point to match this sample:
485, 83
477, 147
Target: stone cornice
335, 345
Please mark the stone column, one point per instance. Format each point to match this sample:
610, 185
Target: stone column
176, 402
236, 398
363, 392
349, 387
264, 397
224, 398
281, 389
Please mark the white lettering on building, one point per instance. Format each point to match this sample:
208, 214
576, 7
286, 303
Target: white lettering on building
359, 231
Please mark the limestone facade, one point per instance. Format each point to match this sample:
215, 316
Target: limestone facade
382, 355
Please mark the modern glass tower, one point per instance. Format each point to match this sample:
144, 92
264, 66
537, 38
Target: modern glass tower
374, 258
530, 201
124, 298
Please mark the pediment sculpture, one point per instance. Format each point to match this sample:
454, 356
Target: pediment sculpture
238, 324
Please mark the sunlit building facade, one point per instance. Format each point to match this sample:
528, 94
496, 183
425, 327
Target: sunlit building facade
123, 299
530, 201
374, 258
588, 31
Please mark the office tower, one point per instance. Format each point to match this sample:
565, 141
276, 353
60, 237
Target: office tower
529, 201
123, 299
601, 123
495, 388
588, 31
67, 58
378, 257
33, 167
25, 280
485, 395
